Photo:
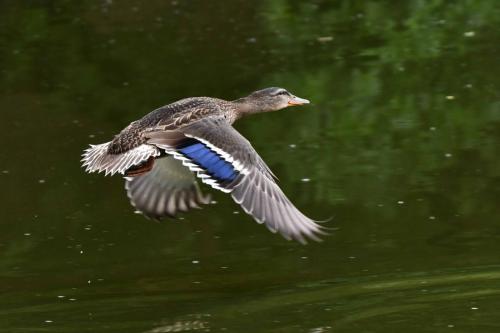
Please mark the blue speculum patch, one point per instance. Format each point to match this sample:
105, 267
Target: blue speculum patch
209, 160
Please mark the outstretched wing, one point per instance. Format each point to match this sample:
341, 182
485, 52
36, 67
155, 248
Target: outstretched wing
224, 159
167, 189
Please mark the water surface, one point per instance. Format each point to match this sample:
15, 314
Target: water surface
400, 146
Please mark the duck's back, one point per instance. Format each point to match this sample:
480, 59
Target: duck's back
171, 116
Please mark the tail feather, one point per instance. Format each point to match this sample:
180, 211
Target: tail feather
97, 159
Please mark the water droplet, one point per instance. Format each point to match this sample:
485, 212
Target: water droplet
195, 261
400, 202
305, 180
450, 97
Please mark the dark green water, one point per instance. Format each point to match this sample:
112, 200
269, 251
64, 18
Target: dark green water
401, 147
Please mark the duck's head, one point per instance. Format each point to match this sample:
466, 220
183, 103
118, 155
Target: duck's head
270, 99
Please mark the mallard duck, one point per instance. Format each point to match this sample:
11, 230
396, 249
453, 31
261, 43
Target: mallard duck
161, 153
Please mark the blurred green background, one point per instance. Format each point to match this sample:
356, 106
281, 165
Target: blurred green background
400, 146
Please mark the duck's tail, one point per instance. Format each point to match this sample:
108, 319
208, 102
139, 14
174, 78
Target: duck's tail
97, 158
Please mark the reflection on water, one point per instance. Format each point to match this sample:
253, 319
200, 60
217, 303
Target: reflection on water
182, 326
321, 306
400, 146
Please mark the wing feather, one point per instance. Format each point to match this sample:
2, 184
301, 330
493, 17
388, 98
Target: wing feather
167, 189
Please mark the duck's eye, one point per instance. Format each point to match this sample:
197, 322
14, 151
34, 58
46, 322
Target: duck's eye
282, 92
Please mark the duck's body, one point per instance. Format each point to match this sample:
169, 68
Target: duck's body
173, 116
162, 152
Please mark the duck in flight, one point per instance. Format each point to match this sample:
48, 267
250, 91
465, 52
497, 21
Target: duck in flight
161, 153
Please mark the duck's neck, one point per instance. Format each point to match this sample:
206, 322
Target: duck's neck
246, 106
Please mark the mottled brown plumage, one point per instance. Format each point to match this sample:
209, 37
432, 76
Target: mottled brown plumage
172, 116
